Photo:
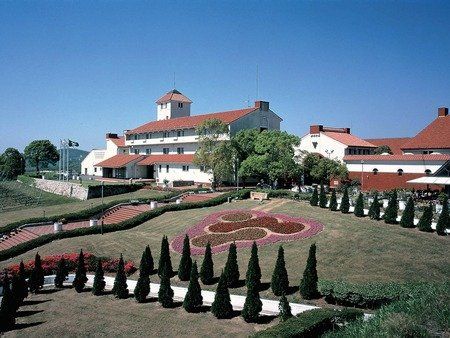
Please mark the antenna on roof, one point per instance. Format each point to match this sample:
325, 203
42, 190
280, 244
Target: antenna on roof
257, 81
174, 80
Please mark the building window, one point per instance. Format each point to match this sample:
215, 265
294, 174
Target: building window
375, 171
428, 172
135, 136
136, 151
202, 168
148, 151
400, 172
180, 133
160, 168
185, 168
180, 104
166, 134
167, 168
180, 150
95, 170
165, 151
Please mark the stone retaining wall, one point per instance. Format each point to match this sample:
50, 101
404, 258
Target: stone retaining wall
62, 188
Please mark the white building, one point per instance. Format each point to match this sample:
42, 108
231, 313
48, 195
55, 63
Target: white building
333, 143
164, 149
115, 145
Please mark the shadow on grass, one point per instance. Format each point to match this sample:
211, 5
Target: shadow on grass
150, 300
86, 290
26, 313
235, 313
48, 291
203, 309
264, 286
35, 302
292, 289
21, 326
265, 319
239, 284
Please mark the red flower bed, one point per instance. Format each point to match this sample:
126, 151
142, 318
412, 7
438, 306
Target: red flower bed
247, 234
50, 263
237, 217
267, 222
213, 228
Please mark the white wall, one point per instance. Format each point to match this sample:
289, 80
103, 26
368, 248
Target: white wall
412, 167
95, 156
324, 144
172, 110
257, 119
420, 151
176, 173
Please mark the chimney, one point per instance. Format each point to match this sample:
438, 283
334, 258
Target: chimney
111, 135
263, 105
315, 129
347, 130
442, 111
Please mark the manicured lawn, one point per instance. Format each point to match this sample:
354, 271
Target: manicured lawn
66, 313
349, 248
52, 207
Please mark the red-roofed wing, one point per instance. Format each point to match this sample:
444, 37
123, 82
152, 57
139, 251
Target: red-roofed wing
119, 161
383, 158
349, 139
434, 136
395, 143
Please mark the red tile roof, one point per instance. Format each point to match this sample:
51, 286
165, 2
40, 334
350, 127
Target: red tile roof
349, 139
119, 161
190, 121
383, 158
434, 136
119, 141
173, 95
175, 158
395, 143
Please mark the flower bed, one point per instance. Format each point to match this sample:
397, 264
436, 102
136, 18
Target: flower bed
262, 227
239, 216
50, 263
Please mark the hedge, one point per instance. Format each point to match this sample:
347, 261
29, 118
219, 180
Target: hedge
127, 224
284, 193
95, 191
312, 323
368, 296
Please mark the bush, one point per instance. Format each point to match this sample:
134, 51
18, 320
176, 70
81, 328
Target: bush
285, 309
99, 280
207, 269
308, 284
280, 279
149, 263
314, 198
165, 263
252, 305
407, 220
345, 202
165, 293
142, 288
231, 270
221, 308
444, 219
95, 191
253, 276
7, 308
120, 288
375, 208
426, 219
193, 299
184, 269
312, 323
359, 207
333, 201
391, 212
36, 281
80, 274
322, 197
61, 273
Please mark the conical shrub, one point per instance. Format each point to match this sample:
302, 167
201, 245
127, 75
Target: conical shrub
120, 288
221, 308
308, 284
36, 281
16, 292
322, 197
62, 272
165, 263
375, 208
252, 305
207, 269
333, 201
285, 309
407, 220
99, 280
314, 198
426, 219
359, 206
253, 275
23, 281
142, 288
149, 259
165, 293
345, 202
231, 270
80, 274
280, 279
7, 307
193, 300
184, 269
391, 212
444, 219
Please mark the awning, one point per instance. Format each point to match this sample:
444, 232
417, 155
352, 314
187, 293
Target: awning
431, 180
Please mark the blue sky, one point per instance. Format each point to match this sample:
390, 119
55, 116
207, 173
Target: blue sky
79, 69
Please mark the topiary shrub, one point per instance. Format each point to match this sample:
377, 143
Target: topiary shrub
252, 305
61, 273
375, 208
231, 270
285, 309
314, 198
345, 202
322, 197
165, 263
253, 276
142, 288
23, 281
221, 308
120, 288
36, 281
444, 219
7, 307
426, 219
359, 207
391, 212
193, 300
150, 265
80, 274
165, 293
280, 279
308, 284
207, 269
407, 220
333, 201
99, 280
184, 269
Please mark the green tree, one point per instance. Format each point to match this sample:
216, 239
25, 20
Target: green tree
407, 220
36, 281
444, 219
7, 307
80, 274
40, 153
375, 208
333, 201
165, 263
252, 305
184, 269
221, 308
285, 309
12, 163
120, 288
23, 280
345, 202
253, 275
16, 291
359, 207
149, 260
142, 288
391, 212
207, 269
308, 284
231, 267
322, 197
314, 200
62, 271
280, 279
99, 279
426, 219
193, 299
213, 152
383, 149
328, 169
165, 293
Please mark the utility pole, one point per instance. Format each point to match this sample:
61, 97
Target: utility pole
101, 224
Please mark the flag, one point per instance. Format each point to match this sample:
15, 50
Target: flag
73, 144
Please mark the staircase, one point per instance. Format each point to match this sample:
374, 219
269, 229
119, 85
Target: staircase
16, 237
121, 213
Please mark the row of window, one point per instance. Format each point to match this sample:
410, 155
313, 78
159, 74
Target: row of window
400, 171
352, 151
149, 136
184, 168
166, 151
164, 105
